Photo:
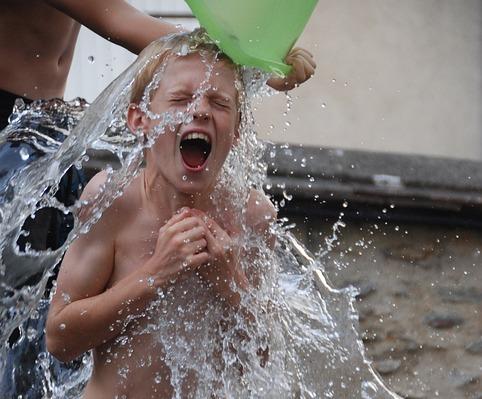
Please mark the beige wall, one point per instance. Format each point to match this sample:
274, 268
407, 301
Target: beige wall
401, 76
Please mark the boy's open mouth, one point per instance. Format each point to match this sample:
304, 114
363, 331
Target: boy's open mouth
195, 148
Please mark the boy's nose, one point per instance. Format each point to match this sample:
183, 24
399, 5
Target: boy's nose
203, 110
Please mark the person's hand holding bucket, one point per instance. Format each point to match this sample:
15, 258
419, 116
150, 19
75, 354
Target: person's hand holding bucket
303, 67
261, 33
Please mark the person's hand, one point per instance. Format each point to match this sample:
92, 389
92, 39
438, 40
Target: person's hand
181, 246
303, 68
223, 267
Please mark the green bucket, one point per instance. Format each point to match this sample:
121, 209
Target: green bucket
257, 33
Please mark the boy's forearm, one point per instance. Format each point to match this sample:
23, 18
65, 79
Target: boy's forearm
116, 20
90, 322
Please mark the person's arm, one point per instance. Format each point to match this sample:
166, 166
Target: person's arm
116, 20
125, 25
84, 313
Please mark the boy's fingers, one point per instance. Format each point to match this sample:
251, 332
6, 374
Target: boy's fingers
198, 260
194, 234
218, 232
196, 246
212, 244
176, 218
185, 224
213, 226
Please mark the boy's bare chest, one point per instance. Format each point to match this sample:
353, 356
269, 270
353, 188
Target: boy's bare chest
135, 243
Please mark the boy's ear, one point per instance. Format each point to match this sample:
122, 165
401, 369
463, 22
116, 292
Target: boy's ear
136, 119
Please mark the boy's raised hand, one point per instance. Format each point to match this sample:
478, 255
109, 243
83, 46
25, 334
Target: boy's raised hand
303, 68
181, 246
223, 267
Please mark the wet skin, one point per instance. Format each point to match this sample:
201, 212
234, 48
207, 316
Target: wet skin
36, 48
144, 241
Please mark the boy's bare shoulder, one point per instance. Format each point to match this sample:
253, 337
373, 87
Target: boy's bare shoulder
93, 192
94, 186
260, 211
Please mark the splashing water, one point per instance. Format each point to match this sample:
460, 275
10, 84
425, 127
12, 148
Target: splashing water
295, 336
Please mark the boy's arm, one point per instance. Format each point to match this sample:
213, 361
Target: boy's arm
116, 20
84, 313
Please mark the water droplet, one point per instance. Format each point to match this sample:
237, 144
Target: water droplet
91, 59
62, 326
66, 298
24, 154
31, 333
287, 196
323, 105
184, 177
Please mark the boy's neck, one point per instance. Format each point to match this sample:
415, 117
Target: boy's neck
163, 198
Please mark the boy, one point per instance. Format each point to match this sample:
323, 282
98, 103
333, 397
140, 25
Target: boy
157, 237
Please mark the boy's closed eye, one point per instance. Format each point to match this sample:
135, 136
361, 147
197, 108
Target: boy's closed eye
178, 100
222, 101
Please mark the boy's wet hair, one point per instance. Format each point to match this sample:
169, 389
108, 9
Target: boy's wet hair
178, 44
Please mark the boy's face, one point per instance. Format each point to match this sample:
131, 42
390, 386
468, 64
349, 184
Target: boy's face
191, 157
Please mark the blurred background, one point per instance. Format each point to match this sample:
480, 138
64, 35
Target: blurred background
383, 167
